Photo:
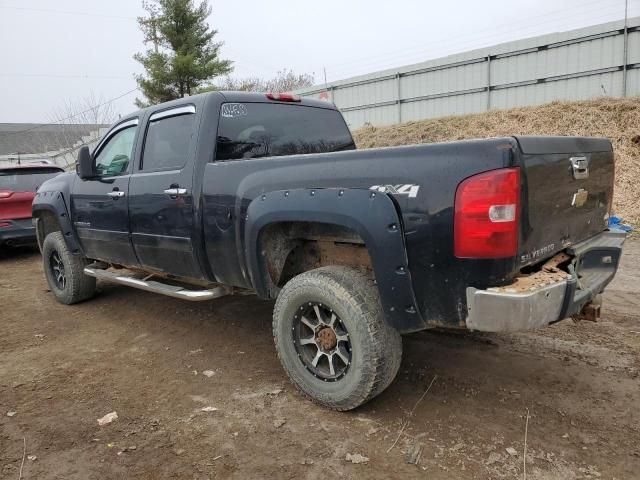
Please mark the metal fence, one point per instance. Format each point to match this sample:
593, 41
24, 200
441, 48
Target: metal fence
601, 60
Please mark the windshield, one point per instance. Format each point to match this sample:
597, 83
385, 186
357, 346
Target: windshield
254, 130
27, 179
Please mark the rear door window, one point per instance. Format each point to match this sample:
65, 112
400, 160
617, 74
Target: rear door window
254, 130
26, 180
168, 139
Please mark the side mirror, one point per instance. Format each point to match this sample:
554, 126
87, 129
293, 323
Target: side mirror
84, 165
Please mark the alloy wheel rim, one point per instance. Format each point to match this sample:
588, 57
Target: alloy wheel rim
57, 268
321, 341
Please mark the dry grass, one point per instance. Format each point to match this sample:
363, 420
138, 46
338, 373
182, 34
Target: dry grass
616, 119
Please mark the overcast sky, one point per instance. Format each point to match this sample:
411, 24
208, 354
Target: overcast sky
52, 52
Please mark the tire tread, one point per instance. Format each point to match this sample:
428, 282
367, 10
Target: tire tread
80, 287
356, 289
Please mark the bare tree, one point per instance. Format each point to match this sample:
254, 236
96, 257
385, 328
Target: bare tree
70, 121
287, 81
89, 110
247, 84
284, 81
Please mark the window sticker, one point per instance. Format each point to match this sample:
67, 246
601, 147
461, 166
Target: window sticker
234, 110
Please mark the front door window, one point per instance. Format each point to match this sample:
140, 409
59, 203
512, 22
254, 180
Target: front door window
114, 157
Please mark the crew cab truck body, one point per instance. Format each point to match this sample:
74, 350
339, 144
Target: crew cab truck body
241, 193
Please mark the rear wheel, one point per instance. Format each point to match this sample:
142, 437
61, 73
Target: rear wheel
65, 271
332, 338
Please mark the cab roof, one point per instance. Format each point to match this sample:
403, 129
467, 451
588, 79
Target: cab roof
230, 96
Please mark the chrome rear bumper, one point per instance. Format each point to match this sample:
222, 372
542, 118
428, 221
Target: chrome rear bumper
595, 262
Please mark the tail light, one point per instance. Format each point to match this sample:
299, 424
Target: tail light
487, 209
283, 97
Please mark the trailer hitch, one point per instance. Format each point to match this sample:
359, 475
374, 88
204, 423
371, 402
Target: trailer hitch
590, 312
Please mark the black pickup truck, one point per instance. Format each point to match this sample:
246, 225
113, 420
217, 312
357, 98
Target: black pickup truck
236, 193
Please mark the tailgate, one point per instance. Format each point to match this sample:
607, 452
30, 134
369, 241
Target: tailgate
567, 187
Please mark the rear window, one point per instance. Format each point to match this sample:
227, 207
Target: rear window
254, 130
27, 179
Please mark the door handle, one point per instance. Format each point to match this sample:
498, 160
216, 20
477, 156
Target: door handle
174, 192
115, 194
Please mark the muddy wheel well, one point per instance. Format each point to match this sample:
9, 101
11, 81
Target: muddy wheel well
290, 248
47, 223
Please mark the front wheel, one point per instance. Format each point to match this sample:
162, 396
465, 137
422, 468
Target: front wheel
332, 338
65, 271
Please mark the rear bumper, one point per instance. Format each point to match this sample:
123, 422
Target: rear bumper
17, 232
595, 262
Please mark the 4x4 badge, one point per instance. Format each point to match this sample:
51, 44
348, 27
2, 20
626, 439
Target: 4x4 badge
407, 189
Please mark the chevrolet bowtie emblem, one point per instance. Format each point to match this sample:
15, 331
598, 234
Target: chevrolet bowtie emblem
579, 198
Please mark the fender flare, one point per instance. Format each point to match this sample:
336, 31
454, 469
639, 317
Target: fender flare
373, 215
53, 202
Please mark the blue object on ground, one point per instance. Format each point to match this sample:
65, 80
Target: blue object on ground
617, 223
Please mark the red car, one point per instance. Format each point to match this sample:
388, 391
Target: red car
18, 185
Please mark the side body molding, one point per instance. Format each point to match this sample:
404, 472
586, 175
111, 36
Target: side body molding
54, 203
373, 215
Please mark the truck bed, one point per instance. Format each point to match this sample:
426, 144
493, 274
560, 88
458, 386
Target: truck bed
422, 180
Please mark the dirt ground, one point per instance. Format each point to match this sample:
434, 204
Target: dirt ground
142, 355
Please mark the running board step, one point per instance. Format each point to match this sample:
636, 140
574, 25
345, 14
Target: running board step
157, 287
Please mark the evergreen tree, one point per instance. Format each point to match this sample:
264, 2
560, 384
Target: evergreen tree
183, 56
